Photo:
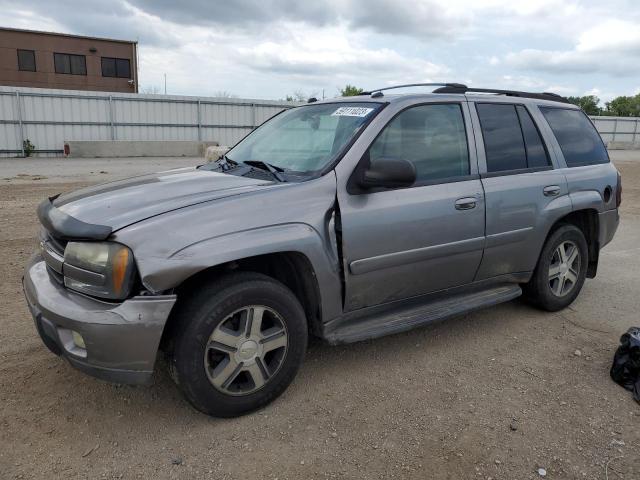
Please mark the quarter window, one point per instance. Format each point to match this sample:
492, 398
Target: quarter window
579, 140
27, 60
70, 64
116, 67
537, 155
432, 137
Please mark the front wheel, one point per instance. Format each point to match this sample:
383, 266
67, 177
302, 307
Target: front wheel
239, 345
561, 270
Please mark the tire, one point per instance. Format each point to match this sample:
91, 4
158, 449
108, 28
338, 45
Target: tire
221, 346
546, 289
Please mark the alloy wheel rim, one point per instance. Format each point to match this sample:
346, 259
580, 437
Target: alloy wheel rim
564, 268
246, 350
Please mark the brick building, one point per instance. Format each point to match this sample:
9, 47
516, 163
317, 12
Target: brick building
56, 60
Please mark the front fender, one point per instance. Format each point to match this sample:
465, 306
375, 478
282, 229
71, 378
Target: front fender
160, 274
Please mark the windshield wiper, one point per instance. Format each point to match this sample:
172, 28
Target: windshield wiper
275, 171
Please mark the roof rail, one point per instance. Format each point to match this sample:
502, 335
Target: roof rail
554, 97
446, 85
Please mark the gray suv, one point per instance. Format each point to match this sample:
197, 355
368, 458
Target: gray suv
346, 219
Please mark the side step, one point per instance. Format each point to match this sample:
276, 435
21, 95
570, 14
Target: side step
395, 318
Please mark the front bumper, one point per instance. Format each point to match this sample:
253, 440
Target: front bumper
121, 340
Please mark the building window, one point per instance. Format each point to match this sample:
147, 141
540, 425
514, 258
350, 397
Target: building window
27, 60
70, 64
116, 67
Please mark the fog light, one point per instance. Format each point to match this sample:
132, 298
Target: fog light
78, 341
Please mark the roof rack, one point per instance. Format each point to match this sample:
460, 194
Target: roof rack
445, 85
456, 88
461, 88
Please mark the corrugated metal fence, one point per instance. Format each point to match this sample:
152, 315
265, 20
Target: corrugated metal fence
47, 118
618, 129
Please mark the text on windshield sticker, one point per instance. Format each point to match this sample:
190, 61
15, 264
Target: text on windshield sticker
352, 112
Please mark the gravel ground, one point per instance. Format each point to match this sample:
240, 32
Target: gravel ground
495, 394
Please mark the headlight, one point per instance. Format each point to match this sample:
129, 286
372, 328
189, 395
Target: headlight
103, 269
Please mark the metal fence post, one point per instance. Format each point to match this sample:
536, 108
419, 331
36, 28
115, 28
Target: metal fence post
635, 129
199, 122
615, 129
113, 132
253, 116
20, 127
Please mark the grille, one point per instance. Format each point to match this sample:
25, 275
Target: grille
57, 244
52, 251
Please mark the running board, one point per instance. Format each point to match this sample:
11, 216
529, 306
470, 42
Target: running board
385, 320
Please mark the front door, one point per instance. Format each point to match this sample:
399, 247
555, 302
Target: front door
399, 243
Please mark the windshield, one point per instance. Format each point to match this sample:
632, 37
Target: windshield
304, 139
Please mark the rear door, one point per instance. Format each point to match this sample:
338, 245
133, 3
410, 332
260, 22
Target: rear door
524, 192
399, 243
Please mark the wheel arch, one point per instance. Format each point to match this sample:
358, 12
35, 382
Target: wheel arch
291, 268
587, 221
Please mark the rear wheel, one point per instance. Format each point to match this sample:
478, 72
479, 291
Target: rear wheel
239, 344
561, 270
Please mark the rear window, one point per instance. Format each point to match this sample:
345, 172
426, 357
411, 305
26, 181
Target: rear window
579, 141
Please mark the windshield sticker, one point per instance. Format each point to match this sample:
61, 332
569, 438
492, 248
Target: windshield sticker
352, 112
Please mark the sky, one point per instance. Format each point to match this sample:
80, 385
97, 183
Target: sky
269, 48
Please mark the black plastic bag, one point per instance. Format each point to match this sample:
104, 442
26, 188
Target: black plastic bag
625, 370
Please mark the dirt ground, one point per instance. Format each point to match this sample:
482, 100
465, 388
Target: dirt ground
495, 394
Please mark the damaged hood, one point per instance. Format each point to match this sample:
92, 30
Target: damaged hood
123, 202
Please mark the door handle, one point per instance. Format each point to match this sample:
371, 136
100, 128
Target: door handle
466, 203
551, 191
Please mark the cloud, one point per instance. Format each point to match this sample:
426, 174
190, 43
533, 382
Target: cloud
611, 47
418, 18
113, 19
268, 48
334, 53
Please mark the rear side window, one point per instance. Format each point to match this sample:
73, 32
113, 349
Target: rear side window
431, 136
511, 139
503, 142
579, 141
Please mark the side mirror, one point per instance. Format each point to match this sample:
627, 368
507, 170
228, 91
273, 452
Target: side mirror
388, 174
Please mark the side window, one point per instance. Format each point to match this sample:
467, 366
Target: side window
116, 67
433, 137
503, 141
70, 64
26, 60
537, 155
579, 140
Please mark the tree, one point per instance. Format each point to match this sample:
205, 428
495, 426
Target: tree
224, 94
624, 107
300, 96
350, 91
588, 103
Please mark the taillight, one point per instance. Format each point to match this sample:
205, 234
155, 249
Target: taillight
619, 191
